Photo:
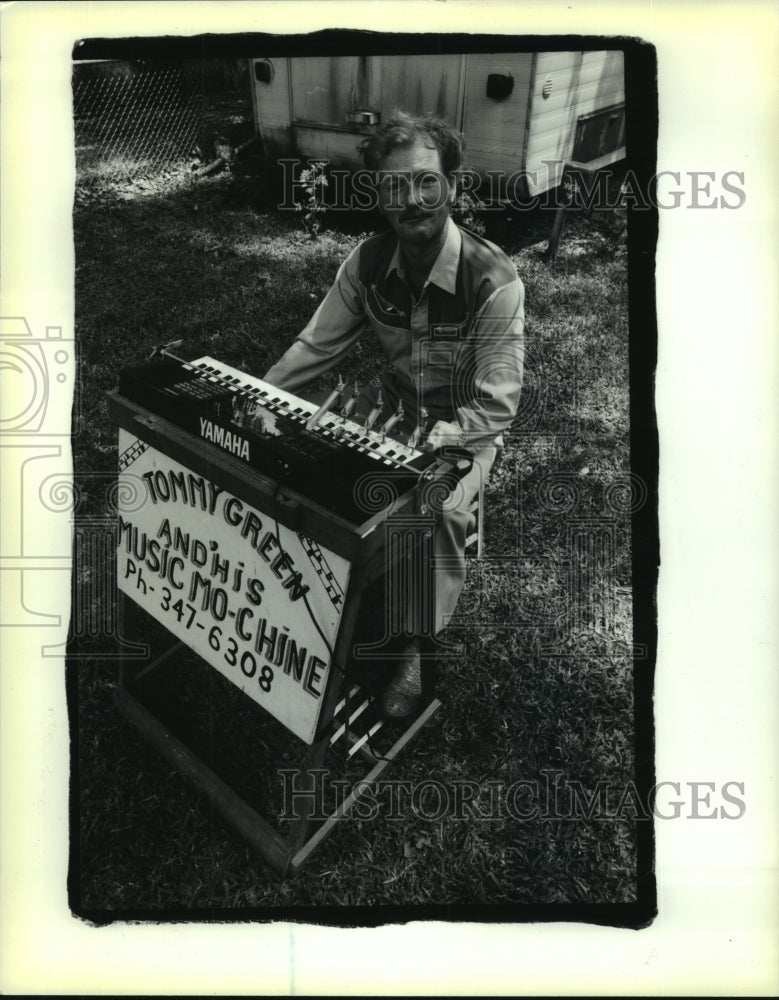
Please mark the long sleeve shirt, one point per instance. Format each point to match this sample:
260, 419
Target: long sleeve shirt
457, 349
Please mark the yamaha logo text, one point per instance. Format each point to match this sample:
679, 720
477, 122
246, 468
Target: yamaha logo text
231, 442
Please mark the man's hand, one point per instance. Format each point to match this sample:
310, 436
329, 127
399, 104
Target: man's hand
445, 435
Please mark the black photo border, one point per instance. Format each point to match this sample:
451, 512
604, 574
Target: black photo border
641, 143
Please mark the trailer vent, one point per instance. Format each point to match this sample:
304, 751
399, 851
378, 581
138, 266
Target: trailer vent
263, 71
499, 86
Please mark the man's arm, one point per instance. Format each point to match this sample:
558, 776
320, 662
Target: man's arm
496, 375
331, 332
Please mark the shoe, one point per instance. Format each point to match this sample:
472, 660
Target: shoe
403, 694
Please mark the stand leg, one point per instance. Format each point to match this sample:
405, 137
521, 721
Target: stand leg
233, 808
307, 785
301, 855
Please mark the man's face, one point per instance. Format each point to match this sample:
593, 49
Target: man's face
414, 195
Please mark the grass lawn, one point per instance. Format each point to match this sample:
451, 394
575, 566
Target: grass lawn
537, 682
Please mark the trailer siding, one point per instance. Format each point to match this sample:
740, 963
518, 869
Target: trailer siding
323, 88
582, 82
339, 147
271, 108
495, 130
418, 84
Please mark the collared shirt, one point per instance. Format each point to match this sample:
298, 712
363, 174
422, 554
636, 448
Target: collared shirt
456, 349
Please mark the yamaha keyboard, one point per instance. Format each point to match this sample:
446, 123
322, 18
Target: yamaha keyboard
325, 456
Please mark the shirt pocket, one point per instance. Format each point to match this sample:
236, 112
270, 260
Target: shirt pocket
383, 311
442, 362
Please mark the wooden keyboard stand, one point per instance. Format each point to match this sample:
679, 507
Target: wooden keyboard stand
151, 447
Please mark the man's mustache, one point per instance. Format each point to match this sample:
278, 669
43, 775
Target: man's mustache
409, 214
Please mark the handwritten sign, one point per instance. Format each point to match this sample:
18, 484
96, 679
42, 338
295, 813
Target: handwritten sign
259, 602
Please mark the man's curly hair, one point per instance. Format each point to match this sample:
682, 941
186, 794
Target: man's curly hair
403, 129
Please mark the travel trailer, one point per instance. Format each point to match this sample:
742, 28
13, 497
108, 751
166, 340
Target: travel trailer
524, 115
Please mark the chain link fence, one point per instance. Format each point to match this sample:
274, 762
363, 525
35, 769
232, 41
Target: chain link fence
147, 124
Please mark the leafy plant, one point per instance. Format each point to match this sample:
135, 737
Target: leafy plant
312, 205
464, 213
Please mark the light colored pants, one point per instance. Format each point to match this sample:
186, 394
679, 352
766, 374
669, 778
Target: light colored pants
449, 538
452, 524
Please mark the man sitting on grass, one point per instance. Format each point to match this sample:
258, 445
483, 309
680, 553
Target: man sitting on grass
448, 310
